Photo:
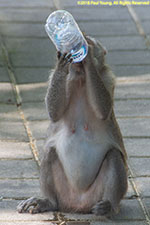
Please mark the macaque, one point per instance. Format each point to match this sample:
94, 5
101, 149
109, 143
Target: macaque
84, 165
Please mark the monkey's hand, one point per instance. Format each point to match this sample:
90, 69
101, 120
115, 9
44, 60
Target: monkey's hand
64, 61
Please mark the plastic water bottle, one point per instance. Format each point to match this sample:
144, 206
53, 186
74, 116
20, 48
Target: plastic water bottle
66, 35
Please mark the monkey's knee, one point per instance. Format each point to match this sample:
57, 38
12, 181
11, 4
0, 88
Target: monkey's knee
117, 168
114, 179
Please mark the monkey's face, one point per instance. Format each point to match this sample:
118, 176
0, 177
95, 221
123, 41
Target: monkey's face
77, 69
98, 48
98, 55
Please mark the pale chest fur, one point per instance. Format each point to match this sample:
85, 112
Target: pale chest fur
81, 140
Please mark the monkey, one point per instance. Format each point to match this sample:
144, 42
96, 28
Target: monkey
84, 168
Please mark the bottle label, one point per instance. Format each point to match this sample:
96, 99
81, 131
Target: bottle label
80, 55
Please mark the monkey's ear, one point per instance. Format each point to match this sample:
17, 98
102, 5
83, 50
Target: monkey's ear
105, 50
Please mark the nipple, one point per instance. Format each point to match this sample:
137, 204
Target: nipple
73, 130
86, 127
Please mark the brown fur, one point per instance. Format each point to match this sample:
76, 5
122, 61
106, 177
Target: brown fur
84, 168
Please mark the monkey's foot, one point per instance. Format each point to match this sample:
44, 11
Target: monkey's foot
102, 208
34, 205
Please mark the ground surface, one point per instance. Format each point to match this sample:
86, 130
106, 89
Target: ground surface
26, 56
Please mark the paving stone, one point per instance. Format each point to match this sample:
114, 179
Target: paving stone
123, 43
18, 169
121, 223
15, 150
1, 61
9, 213
110, 28
130, 70
1, 57
146, 202
133, 90
31, 222
143, 184
135, 127
13, 131
128, 57
33, 15
140, 166
41, 59
39, 128
28, 45
8, 204
129, 108
33, 92
25, 3
9, 112
137, 147
35, 111
0, 50
142, 12
31, 75
146, 26
99, 13
82, 217
21, 189
3, 75
130, 210
6, 93
77, 223
23, 30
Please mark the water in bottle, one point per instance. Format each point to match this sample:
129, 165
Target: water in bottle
66, 35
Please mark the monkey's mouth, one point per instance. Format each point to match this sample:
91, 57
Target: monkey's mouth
78, 68
77, 65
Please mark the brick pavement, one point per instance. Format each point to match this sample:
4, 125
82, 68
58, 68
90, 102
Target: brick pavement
26, 56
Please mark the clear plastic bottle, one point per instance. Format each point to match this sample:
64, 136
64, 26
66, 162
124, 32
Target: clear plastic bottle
66, 35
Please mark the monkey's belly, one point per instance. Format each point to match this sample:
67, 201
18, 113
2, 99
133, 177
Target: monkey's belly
81, 156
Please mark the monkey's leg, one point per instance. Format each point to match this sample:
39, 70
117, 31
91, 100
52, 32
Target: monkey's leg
114, 184
49, 202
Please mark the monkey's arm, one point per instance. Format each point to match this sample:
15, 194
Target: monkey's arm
56, 97
99, 97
